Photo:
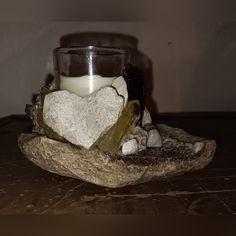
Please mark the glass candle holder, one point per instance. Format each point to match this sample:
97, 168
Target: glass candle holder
84, 70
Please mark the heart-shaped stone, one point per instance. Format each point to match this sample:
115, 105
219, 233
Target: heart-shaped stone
79, 120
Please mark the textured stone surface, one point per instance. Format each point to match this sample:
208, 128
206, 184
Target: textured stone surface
180, 153
82, 120
140, 135
121, 87
112, 140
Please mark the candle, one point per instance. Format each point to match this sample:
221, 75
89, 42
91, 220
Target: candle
85, 85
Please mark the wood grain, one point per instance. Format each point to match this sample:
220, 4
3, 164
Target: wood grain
26, 189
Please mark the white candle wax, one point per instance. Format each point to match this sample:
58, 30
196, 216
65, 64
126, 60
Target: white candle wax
85, 85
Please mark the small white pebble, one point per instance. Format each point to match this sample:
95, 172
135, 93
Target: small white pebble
130, 147
154, 138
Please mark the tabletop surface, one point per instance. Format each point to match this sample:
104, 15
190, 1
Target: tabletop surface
27, 189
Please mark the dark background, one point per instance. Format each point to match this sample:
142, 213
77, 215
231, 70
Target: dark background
190, 44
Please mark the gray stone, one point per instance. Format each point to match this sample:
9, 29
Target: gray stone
146, 119
130, 147
121, 87
140, 135
79, 120
180, 153
154, 138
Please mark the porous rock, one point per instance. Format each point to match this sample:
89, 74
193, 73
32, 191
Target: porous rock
180, 153
121, 87
79, 120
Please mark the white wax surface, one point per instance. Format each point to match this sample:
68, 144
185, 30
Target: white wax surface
85, 85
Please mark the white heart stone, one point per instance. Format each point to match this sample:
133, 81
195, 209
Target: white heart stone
121, 87
82, 120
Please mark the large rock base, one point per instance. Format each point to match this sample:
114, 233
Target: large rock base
180, 153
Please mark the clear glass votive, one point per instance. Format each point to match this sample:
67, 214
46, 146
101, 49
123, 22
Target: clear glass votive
83, 70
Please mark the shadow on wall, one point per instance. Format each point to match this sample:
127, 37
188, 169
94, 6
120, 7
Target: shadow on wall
214, 83
103, 39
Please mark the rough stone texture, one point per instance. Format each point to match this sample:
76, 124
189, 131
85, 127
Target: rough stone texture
112, 140
140, 135
82, 120
179, 154
121, 87
35, 112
